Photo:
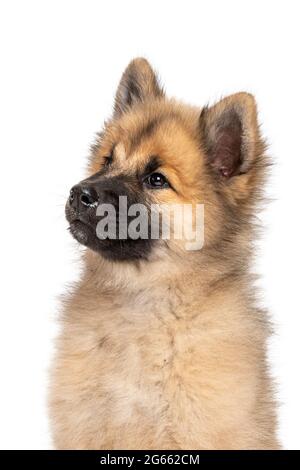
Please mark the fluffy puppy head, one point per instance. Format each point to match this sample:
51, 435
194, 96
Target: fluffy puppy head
156, 153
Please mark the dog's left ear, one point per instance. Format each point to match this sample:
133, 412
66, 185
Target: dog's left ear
230, 135
138, 83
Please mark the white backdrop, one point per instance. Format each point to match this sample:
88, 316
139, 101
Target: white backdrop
60, 64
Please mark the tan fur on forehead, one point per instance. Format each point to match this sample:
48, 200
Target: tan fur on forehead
120, 152
143, 121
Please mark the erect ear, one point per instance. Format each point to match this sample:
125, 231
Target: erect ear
230, 135
138, 83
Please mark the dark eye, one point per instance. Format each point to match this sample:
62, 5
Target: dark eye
156, 181
108, 160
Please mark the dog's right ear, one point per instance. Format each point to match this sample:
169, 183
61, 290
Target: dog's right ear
138, 83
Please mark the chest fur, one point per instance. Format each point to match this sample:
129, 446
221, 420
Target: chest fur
134, 375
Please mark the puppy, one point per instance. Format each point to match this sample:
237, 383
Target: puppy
163, 346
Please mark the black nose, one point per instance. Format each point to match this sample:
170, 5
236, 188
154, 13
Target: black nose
82, 197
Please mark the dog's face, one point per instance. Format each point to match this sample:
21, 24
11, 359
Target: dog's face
156, 151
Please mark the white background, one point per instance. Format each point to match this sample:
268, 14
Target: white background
59, 67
